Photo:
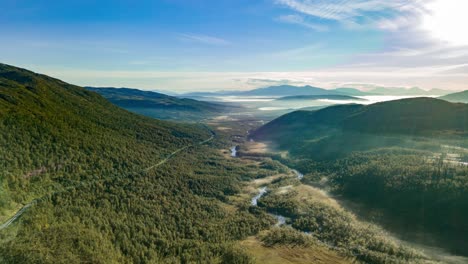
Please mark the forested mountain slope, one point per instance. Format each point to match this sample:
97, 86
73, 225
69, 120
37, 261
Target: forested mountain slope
162, 106
341, 129
405, 161
50, 127
83, 161
409, 117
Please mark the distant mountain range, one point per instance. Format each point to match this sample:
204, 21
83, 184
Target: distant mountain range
289, 90
352, 92
461, 97
159, 105
397, 91
282, 90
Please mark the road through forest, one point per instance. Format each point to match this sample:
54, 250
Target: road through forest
169, 157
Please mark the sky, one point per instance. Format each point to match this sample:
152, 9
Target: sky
208, 45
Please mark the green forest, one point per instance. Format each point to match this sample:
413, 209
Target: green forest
407, 168
82, 164
234, 132
84, 181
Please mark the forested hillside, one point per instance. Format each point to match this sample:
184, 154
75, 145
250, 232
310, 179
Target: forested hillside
415, 116
162, 106
100, 189
405, 161
56, 131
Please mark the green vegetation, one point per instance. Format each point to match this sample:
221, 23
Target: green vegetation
404, 161
162, 106
54, 134
409, 187
328, 224
280, 253
173, 214
103, 185
288, 237
83, 161
418, 116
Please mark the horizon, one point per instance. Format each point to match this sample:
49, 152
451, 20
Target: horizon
201, 46
369, 88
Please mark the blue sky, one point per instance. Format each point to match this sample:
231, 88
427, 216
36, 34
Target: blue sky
186, 45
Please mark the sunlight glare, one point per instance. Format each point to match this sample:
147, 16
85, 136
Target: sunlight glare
447, 20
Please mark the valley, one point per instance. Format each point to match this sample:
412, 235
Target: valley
239, 187
282, 186
371, 168
234, 132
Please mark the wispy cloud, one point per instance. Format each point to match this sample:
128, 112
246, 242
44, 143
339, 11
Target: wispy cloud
254, 82
396, 23
384, 14
299, 20
204, 39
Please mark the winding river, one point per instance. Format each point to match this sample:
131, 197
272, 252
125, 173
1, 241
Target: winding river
234, 151
433, 252
281, 220
299, 175
261, 192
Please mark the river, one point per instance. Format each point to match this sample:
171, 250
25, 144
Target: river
281, 220
435, 253
234, 151
299, 175
262, 192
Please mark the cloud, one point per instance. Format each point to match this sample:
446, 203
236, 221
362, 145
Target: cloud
452, 77
420, 56
204, 39
395, 23
383, 14
409, 43
299, 20
458, 70
254, 82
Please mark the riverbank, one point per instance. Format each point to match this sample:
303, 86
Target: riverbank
290, 202
312, 211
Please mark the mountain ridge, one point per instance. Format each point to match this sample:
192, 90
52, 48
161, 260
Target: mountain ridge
459, 97
161, 106
415, 116
291, 90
